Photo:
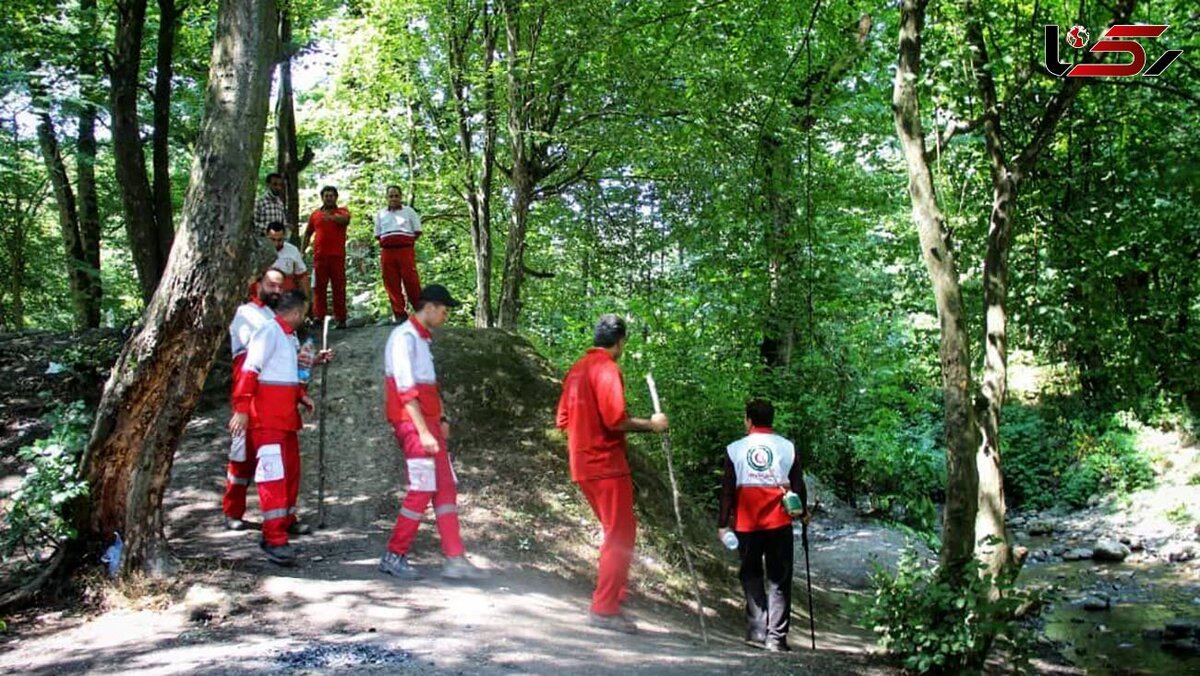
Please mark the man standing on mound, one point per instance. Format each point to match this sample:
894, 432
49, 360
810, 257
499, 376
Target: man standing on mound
414, 407
592, 411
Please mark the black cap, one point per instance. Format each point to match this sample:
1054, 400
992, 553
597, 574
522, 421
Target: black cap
436, 293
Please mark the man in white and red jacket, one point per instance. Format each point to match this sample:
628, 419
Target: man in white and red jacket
250, 316
266, 395
397, 228
414, 407
759, 470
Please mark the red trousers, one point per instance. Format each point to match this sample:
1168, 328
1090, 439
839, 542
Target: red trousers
272, 458
237, 476
612, 502
328, 269
430, 478
399, 266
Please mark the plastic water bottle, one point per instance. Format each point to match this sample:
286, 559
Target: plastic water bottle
112, 555
729, 539
304, 373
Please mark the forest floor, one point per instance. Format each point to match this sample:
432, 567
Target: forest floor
230, 611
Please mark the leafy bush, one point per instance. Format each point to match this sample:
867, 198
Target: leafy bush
34, 520
1108, 462
1051, 457
899, 464
934, 625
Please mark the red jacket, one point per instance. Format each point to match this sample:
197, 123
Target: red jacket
590, 409
330, 238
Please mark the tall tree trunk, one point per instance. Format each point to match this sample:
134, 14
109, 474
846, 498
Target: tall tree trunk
125, 71
482, 240
962, 440
68, 216
288, 160
992, 543
779, 324
477, 187
168, 24
514, 248
158, 377
85, 165
533, 116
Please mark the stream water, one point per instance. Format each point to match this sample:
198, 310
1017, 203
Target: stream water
1120, 639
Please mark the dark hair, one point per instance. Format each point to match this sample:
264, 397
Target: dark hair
396, 188
273, 175
273, 269
610, 329
290, 300
760, 412
276, 226
329, 188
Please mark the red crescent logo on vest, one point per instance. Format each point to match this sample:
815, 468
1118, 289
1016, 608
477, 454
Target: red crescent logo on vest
759, 458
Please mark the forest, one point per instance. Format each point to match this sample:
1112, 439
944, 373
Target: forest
966, 283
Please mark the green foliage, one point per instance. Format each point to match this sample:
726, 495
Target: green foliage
901, 467
941, 626
1109, 462
35, 518
1181, 515
1071, 457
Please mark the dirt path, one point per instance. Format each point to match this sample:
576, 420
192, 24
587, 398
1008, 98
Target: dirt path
232, 612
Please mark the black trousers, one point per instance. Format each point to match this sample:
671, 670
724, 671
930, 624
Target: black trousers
769, 609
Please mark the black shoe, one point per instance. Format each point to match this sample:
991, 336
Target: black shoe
341, 324
283, 555
234, 524
298, 528
777, 646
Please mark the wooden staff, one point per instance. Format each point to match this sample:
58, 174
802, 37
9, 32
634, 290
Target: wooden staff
321, 432
666, 443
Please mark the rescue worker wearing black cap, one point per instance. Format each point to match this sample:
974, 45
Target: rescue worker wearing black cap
414, 407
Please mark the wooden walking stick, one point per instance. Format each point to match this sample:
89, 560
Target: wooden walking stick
321, 433
666, 443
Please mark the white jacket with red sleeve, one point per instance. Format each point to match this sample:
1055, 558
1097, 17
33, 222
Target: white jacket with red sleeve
268, 387
409, 374
249, 318
397, 229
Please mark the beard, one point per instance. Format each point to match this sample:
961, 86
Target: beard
270, 299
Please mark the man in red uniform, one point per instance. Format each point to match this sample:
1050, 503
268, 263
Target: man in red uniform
249, 317
265, 400
752, 491
329, 224
592, 411
397, 228
414, 408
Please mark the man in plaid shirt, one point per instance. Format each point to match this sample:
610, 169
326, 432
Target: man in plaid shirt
271, 208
